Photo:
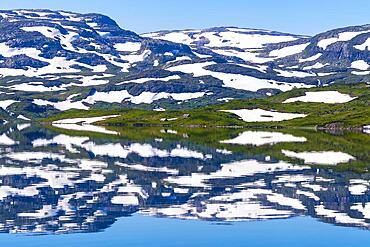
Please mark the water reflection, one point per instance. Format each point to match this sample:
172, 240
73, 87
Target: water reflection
63, 182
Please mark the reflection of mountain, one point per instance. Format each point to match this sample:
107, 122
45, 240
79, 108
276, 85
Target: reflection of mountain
58, 183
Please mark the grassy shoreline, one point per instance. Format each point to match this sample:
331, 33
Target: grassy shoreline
351, 115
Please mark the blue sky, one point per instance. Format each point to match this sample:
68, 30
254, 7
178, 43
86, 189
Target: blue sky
294, 16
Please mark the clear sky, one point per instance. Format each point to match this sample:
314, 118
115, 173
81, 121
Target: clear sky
294, 16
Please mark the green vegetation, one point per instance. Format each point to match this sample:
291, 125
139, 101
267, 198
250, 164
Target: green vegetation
355, 113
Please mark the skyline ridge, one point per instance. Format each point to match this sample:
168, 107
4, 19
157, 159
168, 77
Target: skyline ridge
188, 28
167, 15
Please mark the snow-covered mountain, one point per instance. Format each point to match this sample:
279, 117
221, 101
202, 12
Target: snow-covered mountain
53, 61
337, 51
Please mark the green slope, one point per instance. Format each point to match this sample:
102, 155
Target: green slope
355, 113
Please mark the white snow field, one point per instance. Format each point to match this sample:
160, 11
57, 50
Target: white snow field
360, 72
35, 87
317, 65
364, 45
329, 97
144, 97
292, 73
243, 43
240, 38
312, 58
117, 97
260, 115
59, 65
345, 36
6, 103
128, 46
360, 65
62, 105
236, 81
289, 50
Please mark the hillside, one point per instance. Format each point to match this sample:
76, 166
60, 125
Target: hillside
332, 107
55, 61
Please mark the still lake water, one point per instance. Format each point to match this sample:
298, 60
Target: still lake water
183, 187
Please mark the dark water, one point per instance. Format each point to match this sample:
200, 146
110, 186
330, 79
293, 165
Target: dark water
184, 187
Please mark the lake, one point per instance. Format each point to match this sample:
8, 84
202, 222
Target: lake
163, 186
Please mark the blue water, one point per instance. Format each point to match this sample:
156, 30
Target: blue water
97, 189
150, 231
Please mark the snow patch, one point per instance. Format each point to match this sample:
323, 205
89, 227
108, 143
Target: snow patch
345, 36
317, 65
329, 97
289, 50
260, 115
143, 80
62, 105
259, 138
128, 46
321, 158
310, 59
363, 46
6, 103
235, 80
360, 65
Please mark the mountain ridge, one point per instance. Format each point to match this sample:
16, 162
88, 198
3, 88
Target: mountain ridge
52, 61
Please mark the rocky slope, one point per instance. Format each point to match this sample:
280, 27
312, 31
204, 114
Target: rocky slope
52, 61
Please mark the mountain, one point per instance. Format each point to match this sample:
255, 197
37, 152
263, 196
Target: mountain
53, 61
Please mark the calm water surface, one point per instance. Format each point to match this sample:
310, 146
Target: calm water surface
183, 187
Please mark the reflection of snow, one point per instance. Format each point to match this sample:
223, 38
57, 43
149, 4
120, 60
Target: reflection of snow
5, 140
233, 170
71, 182
358, 186
338, 216
259, 138
125, 200
84, 124
228, 207
323, 158
117, 149
139, 167
86, 127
